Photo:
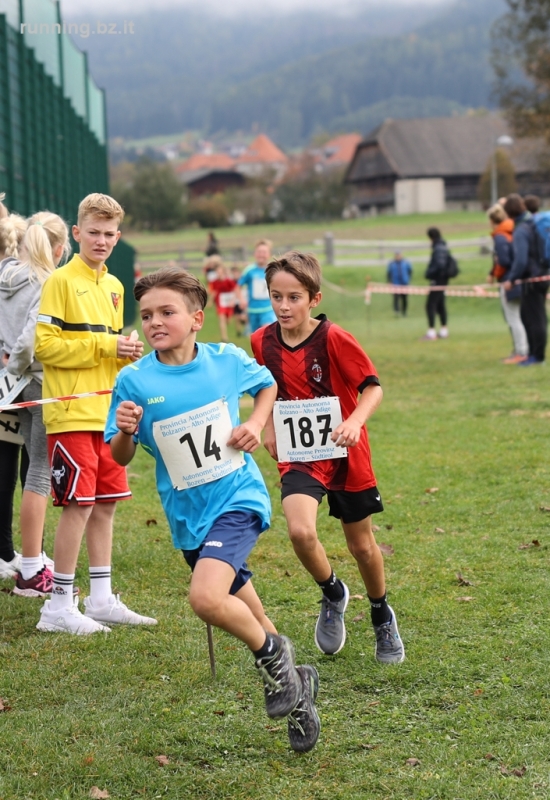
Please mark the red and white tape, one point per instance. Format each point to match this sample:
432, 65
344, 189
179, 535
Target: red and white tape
30, 403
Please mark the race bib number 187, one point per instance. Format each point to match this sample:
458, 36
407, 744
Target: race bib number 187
193, 445
303, 428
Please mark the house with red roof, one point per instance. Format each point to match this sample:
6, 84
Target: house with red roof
260, 156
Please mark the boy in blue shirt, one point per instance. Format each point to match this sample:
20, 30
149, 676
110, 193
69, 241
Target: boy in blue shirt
258, 304
181, 403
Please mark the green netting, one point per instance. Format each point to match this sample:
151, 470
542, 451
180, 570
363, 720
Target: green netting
41, 30
11, 9
97, 110
74, 75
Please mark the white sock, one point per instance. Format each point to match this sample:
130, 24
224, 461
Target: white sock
100, 585
62, 591
31, 566
431, 333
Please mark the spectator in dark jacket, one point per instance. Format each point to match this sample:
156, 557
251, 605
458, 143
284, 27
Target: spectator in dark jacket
437, 274
525, 265
503, 256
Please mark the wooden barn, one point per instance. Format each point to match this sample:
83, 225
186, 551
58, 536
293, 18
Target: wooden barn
453, 149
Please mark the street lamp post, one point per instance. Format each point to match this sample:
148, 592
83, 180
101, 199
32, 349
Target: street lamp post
502, 141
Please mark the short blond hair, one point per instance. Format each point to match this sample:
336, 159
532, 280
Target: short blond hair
102, 206
212, 262
263, 243
497, 214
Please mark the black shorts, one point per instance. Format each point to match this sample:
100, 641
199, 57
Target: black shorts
347, 506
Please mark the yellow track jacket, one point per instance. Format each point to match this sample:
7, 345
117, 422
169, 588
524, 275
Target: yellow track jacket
79, 318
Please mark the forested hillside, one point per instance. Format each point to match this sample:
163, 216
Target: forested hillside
293, 75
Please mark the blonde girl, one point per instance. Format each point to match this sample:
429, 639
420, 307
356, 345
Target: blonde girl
46, 243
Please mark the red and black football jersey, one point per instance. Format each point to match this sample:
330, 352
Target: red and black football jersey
329, 363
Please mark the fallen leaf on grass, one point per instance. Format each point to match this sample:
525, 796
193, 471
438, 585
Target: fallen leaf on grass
150, 522
412, 762
432, 490
374, 703
477, 693
356, 597
387, 549
359, 617
527, 545
99, 794
544, 508
369, 746
465, 599
288, 574
240, 696
134, 475
490, 757
519, 772
220, 713
375, 528
440, 530
162, 760
4, 705
389, 527
273, 728
462, 581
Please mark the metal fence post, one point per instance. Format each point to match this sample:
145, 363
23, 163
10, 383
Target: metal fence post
329, 248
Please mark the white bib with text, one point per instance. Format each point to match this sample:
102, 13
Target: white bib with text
259, 289
303, 429
193, 445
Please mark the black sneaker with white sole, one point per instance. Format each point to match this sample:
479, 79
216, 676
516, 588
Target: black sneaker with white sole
282, 684
303, 721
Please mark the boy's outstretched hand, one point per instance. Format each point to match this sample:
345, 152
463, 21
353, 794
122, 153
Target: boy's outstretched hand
246, 436
128, 416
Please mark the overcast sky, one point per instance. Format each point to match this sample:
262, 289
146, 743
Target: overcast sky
80, 7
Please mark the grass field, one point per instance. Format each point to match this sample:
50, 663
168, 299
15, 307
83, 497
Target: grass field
468, 579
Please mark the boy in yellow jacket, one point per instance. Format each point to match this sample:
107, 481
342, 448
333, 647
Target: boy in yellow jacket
80, 344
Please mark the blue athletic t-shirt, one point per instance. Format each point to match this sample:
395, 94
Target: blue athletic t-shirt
258, 295
218, 372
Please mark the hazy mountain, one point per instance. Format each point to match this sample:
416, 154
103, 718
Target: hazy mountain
292, 74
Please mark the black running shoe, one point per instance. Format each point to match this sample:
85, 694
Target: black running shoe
282, 683
303, 721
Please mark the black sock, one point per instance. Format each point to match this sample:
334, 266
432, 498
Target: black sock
268, 648
332, 588
379, 610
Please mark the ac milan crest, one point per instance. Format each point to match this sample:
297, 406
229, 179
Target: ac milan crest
317, 371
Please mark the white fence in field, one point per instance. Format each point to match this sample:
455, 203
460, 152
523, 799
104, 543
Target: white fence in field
378, 252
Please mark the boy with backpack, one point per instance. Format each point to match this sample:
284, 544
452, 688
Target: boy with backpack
441, 268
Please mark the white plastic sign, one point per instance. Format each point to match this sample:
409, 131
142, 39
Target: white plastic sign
10, 427
11, 386
193, 445
303, 429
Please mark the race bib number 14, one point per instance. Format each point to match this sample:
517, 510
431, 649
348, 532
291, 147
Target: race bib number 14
303, 428
193, 445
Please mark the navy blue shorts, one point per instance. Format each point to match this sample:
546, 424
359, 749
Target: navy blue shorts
230, 539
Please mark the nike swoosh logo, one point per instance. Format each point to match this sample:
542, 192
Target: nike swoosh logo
377, 497
81, 293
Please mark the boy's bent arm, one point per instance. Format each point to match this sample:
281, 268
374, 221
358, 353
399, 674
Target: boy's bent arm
123, 446
348, 432
247, 436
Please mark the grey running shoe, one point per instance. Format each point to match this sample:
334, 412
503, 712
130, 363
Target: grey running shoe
282, 684
389, 647
330, 631
303, 722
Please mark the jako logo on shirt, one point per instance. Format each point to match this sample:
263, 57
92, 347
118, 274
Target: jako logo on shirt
213, 544
151, 400
115, 297
317, 372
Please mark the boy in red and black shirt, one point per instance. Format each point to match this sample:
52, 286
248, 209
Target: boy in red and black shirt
317, 434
